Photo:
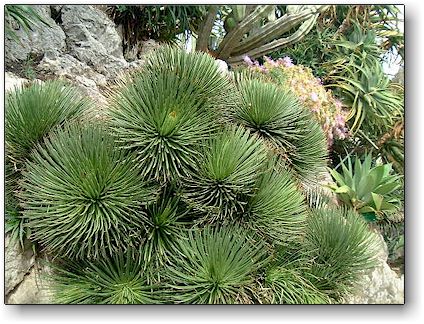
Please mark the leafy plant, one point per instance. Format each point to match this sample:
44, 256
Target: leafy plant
82, 195
277, 116
119, 279
163, 113
24, 16
340, 245
367, 189
33, 111
277, 210
216, 266
226, 175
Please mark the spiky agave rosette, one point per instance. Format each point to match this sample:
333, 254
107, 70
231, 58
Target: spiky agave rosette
165, 111
226, 175
278, 118
82, 196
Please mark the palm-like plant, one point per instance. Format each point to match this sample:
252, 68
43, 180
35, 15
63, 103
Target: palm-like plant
82, 195
164, 112
115, 280
277, 116
341, 245
226, 174
216, 266
278, 209
32, 111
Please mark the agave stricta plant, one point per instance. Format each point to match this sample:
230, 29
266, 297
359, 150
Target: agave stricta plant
226, 175
277, 209
216, 266
277, 116
82, 196
341, 246
119, 279
164, 112
34, 110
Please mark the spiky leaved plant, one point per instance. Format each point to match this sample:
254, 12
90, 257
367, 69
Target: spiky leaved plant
226, 174
165, 224
164, 111
216, 266
81, 195
285, 278
119, 279
32, 111
277, 117
341, 245
277, 209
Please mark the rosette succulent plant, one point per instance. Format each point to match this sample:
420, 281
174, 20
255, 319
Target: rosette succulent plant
189, 193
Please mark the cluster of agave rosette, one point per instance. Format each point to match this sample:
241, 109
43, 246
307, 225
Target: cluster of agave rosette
190, 192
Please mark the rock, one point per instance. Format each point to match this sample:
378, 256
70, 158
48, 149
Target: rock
92, 39
379, 285
18, 263
40, 40
12, 81
223, 66
33, 289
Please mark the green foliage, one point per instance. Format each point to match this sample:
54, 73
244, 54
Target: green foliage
277, 116
226, 175
277, 210
115, 280
24, 16
13, 222
340, 245
287, 277
33, 111
161, 23
367, 189
216, 266
369, 94
164, 112
164, 227
82, 195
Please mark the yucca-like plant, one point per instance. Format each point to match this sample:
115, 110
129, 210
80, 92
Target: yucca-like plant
277, 116
119, 279
226, 174
277, 210
165, 224
82, 196
216, 266
341, 245
34, 110
164, 111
